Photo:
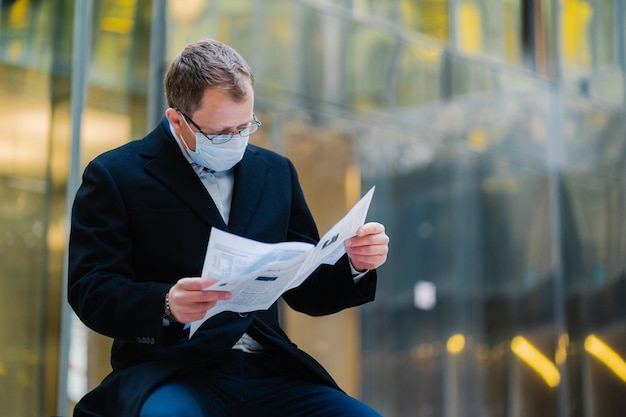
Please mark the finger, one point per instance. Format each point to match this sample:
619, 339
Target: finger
193, 305
364, 255
364, 262
185, 293
211, 296
367, 240
367, 250
194, 312
198, 308
194, 283
370, 228
192, 297
208, 300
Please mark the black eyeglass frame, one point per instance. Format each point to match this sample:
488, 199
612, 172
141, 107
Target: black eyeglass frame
225, 137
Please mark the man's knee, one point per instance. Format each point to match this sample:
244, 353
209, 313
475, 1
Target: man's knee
171, 400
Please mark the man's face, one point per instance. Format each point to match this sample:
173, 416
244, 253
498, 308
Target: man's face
217, 114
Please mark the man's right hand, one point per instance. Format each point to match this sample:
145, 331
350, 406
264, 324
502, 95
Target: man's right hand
189, 301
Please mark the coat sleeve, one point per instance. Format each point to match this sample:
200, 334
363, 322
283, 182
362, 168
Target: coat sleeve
330, 289
103, 289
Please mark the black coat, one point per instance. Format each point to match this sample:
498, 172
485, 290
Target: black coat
141, 220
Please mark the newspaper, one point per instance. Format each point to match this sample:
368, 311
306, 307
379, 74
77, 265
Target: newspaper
257, 273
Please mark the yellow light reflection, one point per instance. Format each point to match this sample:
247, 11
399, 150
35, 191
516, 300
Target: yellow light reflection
456, 343
18, 14
536, 360
116, 25
470, 28
606, 355
477, 139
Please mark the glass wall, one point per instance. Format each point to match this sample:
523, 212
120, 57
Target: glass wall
36, 46
492, 130
35, 51
115, 111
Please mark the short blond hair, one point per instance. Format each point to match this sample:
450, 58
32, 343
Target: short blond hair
202, 65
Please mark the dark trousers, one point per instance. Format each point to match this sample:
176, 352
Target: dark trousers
244, 384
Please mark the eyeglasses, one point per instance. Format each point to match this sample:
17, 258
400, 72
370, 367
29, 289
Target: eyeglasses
249, 129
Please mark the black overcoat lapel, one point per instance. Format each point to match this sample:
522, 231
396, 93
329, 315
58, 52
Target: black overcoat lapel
165, 162
250, 177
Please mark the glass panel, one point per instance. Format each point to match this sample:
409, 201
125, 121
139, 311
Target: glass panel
430, 17
471, 22
490, 27
320, 144
34, 119
419, 74
604, 79
385, 10
594, 229
459, 174
576, 27
115, 113
369, 58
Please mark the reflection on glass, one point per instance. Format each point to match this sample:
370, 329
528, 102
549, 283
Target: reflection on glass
33, 87
606, 355
501, 190
536, 360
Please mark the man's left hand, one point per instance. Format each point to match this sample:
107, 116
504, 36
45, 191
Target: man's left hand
368, 249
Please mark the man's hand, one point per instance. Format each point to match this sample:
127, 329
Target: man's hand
189, 302
368, 249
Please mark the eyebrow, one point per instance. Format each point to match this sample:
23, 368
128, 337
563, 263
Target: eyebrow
223, 129
218, 132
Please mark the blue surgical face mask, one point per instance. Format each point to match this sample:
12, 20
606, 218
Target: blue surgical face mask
220, 157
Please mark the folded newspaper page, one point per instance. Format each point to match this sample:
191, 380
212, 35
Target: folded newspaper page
258, 273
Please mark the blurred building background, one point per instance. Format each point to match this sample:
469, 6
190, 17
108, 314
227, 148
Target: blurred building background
494, 131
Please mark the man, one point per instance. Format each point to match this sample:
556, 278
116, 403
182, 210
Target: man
140, 225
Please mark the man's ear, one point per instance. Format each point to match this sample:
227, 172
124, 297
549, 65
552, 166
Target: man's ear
174, 117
